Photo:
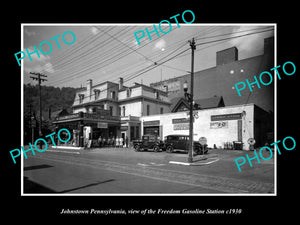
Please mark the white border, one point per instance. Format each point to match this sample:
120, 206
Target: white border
149, 24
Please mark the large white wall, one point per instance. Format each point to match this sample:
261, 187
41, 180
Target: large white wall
202, 125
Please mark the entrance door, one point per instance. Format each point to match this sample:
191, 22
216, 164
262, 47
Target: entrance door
240, 129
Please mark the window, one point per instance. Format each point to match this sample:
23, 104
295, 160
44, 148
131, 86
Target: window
152, 138
148, 110
113, 94
123, 110
161, 110
156, 94
128, 92
97, 93
146, 138
110, 110
132, 133
137, 129
120, 111
81, 97
172, 138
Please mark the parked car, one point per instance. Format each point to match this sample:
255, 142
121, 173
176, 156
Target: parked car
181, 143
148, 142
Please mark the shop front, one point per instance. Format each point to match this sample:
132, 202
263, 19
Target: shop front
151, 127
130, 128
88, 127
222, 127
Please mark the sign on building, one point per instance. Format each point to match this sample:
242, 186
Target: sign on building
232, 116
102, 125
181, 126
218, 124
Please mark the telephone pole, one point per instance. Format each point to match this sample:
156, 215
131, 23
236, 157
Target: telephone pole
191, 100
39, 79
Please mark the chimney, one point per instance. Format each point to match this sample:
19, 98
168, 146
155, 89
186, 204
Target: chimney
89, 84
227, 56
121, 83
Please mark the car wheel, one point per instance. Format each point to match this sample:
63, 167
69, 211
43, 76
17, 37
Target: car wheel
137, 147
156, 148
169, 149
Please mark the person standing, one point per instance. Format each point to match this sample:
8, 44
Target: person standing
113, 141
117, 142
104, 142
100, 141
126, 141
121, 142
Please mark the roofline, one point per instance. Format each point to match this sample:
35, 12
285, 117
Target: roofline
201, 110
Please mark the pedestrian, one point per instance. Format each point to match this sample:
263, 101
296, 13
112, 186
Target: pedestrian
104, 142
100, 141
126, 141
113, 141
121, 142
108, 141
117, 142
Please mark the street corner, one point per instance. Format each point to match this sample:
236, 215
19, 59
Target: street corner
198, 160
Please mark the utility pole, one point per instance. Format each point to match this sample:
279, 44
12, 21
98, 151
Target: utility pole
39, 79
191, 99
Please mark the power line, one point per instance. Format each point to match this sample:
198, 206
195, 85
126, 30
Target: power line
123, 54
236, 32
233, 37
117, 58
151, 67
147, 69
104, 63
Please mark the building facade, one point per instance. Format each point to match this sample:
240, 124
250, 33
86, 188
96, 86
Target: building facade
110, 110
222, 126
220, 79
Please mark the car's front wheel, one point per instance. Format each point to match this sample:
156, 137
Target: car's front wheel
156, 148
137, 147
169, 149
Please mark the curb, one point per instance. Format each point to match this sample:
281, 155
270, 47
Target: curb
67, 147
197, 161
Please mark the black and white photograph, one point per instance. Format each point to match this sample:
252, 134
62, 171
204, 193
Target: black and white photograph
107, 108
146, 112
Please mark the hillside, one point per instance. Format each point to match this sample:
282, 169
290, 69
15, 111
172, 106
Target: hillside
53, 98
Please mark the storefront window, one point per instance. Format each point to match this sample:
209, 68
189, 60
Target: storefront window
151, 130
132, 137
137, 130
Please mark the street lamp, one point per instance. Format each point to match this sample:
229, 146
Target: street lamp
187, 95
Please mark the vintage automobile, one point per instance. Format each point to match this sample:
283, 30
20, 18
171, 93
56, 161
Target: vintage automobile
148, 142
178, 142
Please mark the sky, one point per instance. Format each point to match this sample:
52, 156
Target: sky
106, 52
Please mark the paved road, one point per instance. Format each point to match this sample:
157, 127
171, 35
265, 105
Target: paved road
125, 171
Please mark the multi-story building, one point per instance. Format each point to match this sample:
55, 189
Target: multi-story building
112, 110
220, 79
